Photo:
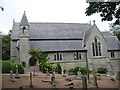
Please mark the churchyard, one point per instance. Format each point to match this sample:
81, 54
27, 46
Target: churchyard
53, 80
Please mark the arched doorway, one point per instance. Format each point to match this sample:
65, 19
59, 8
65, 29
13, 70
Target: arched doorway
32, 61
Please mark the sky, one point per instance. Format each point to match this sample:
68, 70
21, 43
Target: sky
63, 11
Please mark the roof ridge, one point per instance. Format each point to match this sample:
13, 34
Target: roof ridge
55, 23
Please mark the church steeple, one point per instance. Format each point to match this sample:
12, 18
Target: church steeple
24, 21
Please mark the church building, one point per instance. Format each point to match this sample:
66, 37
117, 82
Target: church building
71, 44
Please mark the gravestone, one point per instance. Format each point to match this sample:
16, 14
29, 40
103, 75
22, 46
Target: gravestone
62, 70
95, 81
84, 82
17, 73
53, 83
47, 72
11, 76
31, 86
78, 73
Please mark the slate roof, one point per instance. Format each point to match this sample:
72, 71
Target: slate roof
61, 36
58, 45
52, 30
112, 41
24, 20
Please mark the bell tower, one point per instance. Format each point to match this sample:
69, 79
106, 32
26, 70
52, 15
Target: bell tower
24, 39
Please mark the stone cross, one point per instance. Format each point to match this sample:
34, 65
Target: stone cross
84, 82
11, 76
53, 80
31, 86
17, 73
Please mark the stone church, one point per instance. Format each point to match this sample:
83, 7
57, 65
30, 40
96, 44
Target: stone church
71, 44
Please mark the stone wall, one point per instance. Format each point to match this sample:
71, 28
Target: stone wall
68, 59
0, 46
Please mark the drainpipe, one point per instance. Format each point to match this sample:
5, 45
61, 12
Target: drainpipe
86, 60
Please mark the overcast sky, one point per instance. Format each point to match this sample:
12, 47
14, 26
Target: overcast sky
66, 11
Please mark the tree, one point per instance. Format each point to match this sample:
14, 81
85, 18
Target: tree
115, 30
6, 47
41, 57
107, 10
2, 8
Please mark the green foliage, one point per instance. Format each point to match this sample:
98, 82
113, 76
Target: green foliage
44, 66
23, 64
6, 47
102, 70
7, 66
42, 58
58, 68
34, 52
2, 8
115, 30
83, 70
107, 10
117, 34
20, 68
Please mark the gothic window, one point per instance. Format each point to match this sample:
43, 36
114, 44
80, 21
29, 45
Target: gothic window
112, 54
96, 47
55, 57
23, 29
77, 56
58, 57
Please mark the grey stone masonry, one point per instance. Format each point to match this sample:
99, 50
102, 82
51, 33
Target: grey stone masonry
0, 46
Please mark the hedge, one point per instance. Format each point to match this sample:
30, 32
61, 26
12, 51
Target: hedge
7, 66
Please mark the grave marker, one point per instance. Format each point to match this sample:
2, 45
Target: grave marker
84, 82
11, 76
53, 83
17, 73
31, 86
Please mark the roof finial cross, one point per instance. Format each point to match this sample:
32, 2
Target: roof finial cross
94, 21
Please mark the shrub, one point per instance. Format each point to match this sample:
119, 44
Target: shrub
24, 64
58, 68
6, 66
83, 70
102, 70
44, 66
20, 68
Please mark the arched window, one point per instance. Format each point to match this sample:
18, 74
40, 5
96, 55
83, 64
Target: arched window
96, 47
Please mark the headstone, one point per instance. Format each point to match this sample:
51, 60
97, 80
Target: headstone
95, 81
47, 72
78, 73
17, 73
84, 82
11, 76
62, 70
31, 86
